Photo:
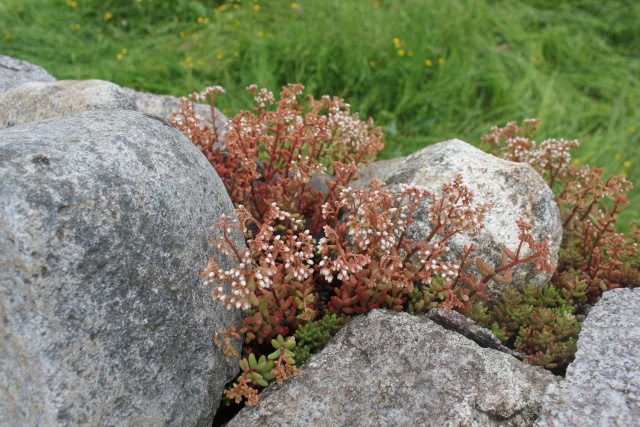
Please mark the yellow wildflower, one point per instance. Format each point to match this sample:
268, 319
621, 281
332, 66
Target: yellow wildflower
125, 51
219, 56
397, 43
400, 52
260, 33
108, 16
294, 5
182, 34
256, 7
372, 63
627, 164
617, 157
119, 56
428, 62
440, 60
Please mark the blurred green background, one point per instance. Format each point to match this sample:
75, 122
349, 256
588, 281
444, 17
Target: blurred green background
425, 70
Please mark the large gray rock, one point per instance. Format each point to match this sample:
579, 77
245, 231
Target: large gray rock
14, 72
104, 226
602, 385
393, 369
35, 101
515, 190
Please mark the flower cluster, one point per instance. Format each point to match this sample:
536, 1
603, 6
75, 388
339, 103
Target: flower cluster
207, 93
279, 251
263, 97
514, 143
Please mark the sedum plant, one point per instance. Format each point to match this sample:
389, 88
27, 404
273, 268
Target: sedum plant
592, 251
319, 252
312, 336
257, 372
537, 322
593, 256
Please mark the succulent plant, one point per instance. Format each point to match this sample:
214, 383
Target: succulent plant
537, 322
319, 254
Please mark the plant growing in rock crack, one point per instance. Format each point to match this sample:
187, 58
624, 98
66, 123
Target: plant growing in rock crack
292, 286
312, 336
593, 257
537, 322
257, 372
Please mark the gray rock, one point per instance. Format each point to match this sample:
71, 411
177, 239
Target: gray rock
164, 105
379, 170
516, 190
14, 72
104, 225
394, 369
602, 385
35, 101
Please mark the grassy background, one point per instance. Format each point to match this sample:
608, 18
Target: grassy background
426, 70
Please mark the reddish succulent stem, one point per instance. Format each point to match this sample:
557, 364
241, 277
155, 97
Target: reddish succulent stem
463, 258
512, 264
601, 232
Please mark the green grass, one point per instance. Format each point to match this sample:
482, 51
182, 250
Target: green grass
574, 64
